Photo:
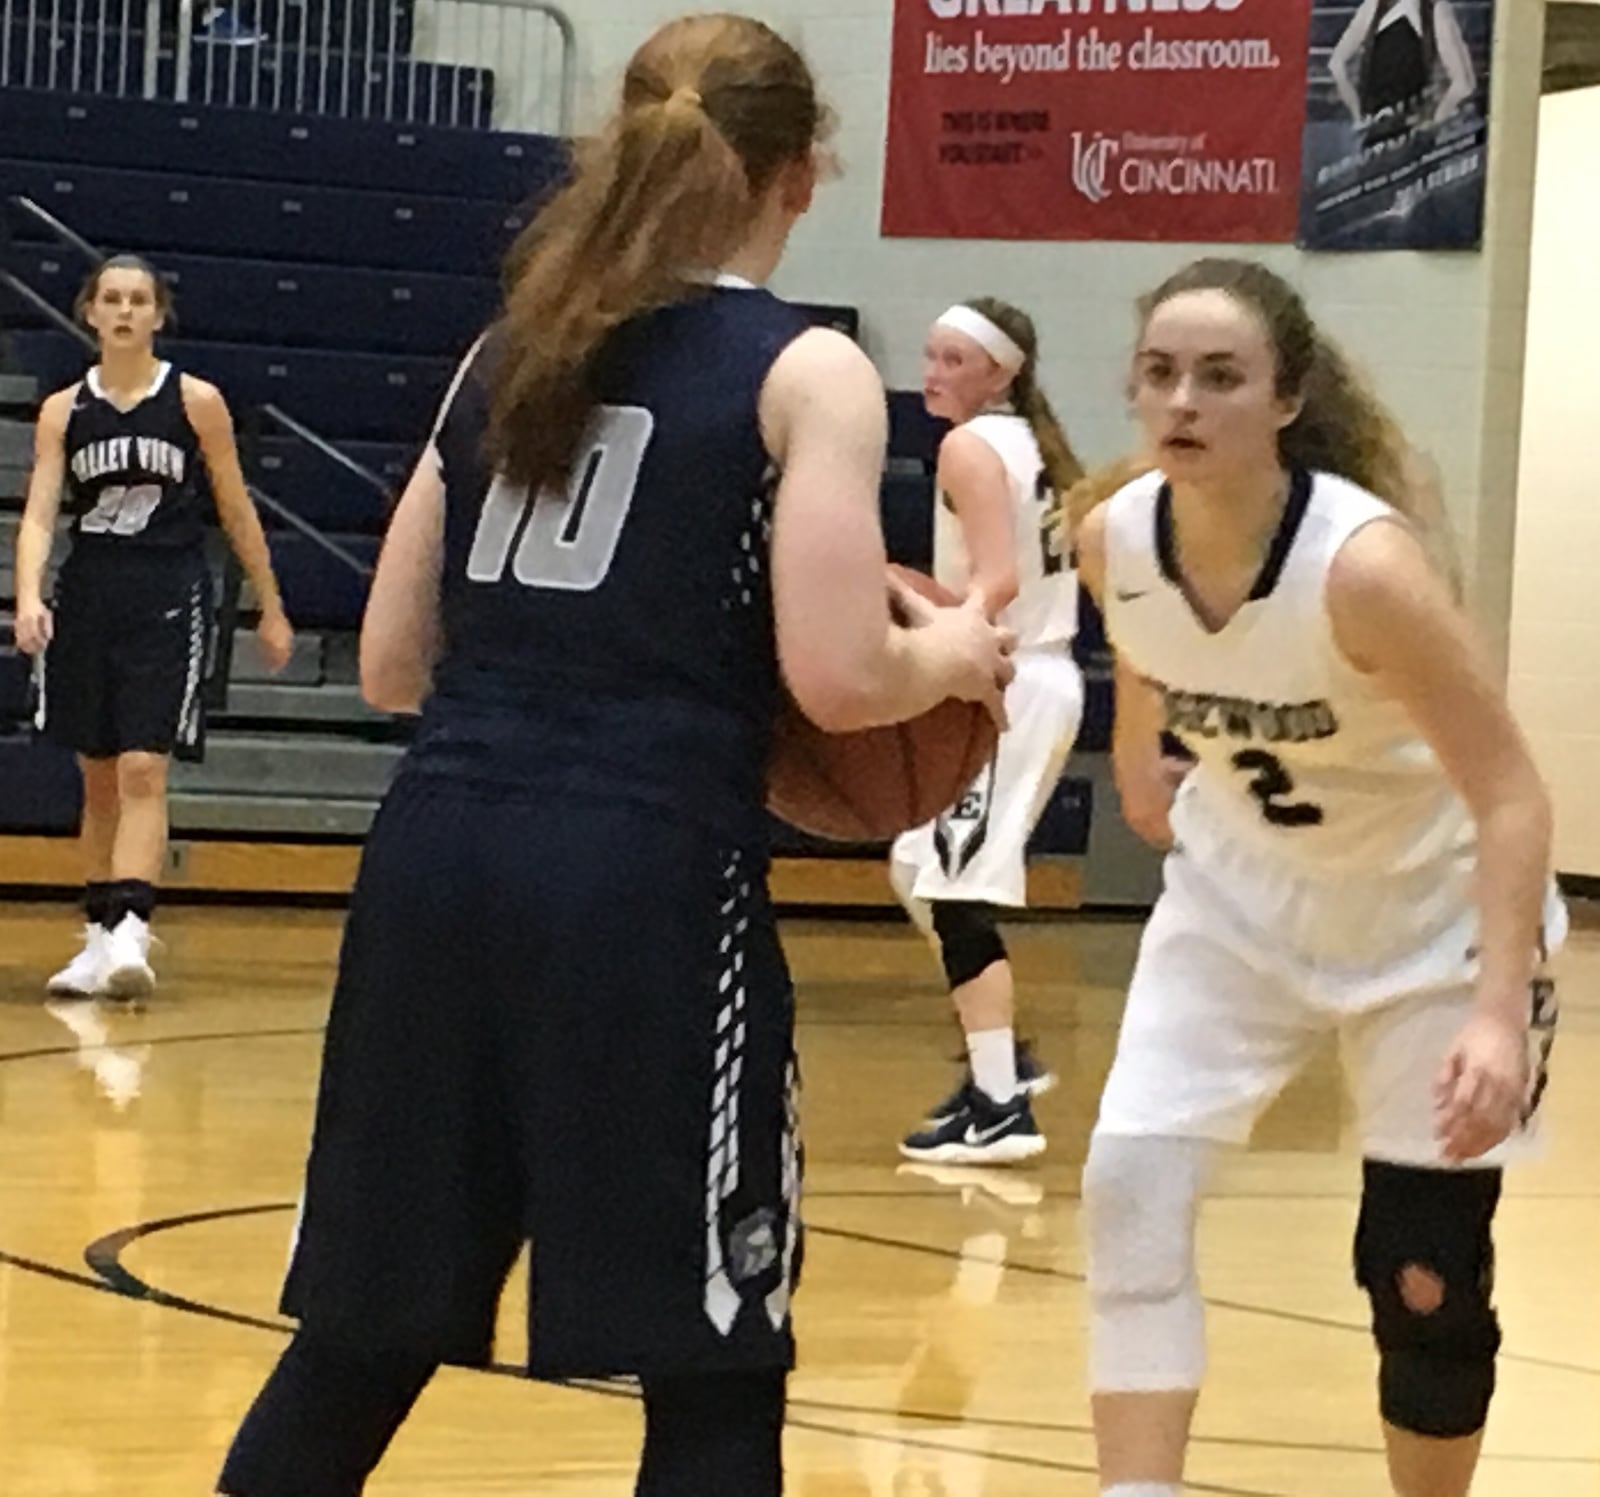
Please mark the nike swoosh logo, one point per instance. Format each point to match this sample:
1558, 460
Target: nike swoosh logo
976, 1135
172, 613
1124, 596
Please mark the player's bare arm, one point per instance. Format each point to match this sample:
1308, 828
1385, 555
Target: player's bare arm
400, 632
1146, 778
972, 480
213, 425
1393, 618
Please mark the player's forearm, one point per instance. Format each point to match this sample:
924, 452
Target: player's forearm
904, 679
33, 555
1514, 850
1135, 729
1144, 784
999, 586
249, 544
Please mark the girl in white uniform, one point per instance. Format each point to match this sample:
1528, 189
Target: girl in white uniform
1361, 847
1002, 472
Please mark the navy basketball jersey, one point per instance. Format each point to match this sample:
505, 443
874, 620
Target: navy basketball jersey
618, 636
135, 479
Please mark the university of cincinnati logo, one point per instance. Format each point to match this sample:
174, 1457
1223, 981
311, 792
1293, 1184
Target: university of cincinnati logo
1091, 165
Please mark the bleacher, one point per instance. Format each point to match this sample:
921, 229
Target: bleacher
333, 269
353, 57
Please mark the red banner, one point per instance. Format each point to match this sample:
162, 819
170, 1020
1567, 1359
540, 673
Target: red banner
1096, 119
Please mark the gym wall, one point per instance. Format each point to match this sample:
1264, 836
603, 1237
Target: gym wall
1555, 630
1441, 334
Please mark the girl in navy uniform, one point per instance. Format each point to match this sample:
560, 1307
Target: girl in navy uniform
1361, 847
562, 1013
121, 651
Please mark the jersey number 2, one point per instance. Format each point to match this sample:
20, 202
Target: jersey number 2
1271, 785
569, 539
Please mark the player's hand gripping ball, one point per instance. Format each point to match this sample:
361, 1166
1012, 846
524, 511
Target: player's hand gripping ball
873, 784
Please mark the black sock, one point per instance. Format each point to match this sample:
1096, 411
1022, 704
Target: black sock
323, 1421
720, 1432
129, 896
97, 903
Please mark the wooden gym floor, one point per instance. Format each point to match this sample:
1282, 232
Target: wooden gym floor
149, 1162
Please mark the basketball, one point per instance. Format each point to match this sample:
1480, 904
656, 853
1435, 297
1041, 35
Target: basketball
871, 785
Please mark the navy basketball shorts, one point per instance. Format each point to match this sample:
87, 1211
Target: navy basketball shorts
566, 1023
125, 671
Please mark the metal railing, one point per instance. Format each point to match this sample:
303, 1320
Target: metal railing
323, 446
481, 64
82, 46
65, 324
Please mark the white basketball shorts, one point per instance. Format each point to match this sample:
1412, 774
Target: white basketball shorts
1239, 980
978, 849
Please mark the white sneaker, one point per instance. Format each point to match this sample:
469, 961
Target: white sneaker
128, 974
85, 975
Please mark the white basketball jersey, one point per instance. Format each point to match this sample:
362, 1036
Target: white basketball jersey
1045, 610
1299, 758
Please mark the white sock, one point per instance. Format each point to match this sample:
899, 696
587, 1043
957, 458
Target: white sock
1142, 1489
993, 1053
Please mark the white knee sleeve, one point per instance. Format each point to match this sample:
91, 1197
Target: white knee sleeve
1146, 1321
903, 879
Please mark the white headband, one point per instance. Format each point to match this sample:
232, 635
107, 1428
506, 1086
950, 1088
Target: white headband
994, 340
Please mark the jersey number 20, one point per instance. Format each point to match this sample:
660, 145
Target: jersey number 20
122, 510
569, 539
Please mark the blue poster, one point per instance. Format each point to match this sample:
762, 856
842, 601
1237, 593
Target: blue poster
1397, 124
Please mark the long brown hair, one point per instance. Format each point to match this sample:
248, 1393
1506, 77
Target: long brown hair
713, 107
1343, 428
1061, 463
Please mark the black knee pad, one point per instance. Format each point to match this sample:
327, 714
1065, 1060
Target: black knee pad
1424, 1253
969, 942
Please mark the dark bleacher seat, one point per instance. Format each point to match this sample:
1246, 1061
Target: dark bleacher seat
906, 505
14, 679
319, 590
265, 301
1099, 698
382, 397
156, 211
136, 134
1091, 641
914, 435
42, 789
1063, 829
846, 320
323, 492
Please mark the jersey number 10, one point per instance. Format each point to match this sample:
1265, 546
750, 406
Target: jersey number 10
568, 538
